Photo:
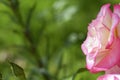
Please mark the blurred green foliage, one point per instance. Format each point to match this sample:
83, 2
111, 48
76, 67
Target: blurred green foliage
44, 37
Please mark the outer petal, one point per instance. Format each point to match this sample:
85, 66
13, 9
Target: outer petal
117, 9
109, 77
106, 14
88, 45
103, 10
113, 70
96, 61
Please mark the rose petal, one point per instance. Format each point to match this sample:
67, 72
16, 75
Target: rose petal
113, 70
106, 15
109, 77
88, 45
117, 9
115, 22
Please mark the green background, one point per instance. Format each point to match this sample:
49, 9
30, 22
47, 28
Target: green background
44, 37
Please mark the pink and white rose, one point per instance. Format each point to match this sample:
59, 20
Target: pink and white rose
102, 45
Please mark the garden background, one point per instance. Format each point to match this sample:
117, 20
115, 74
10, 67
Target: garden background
44, 37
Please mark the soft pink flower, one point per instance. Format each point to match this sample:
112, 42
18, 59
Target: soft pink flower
102, 45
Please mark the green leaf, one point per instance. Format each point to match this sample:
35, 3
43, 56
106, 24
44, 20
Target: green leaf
79, 71
0, 76
18, 71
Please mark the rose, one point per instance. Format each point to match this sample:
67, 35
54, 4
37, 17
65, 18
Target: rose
102, 45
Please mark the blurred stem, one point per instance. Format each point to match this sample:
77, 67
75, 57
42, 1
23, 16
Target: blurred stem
14, 4
47, 50
27, 33
80, 70
29, 17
